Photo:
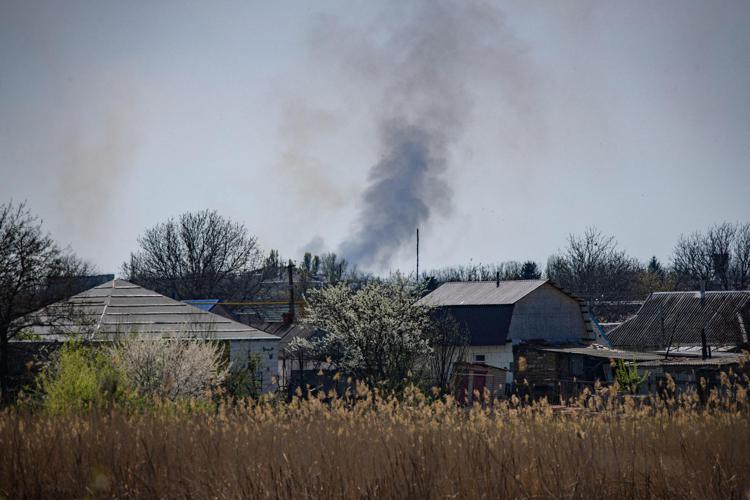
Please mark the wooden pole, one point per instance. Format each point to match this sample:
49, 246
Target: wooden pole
417, 255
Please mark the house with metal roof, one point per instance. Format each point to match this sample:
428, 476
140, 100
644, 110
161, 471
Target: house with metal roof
678, 320
117, 308
497, 315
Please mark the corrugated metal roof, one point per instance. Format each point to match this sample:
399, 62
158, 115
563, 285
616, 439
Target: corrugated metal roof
480, 293
603, 352
119, 307
709, 362
725, 316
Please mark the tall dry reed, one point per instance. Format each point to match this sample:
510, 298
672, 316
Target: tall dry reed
372, 447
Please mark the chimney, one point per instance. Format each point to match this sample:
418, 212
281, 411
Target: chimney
497, 279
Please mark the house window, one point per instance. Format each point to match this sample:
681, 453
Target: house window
479, 357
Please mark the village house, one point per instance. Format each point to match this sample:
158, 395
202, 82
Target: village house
111, 310
502, 316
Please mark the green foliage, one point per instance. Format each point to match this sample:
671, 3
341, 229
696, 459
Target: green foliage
627, 376
244, 383
81, 377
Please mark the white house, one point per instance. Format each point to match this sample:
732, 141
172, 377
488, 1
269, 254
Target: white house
108, 311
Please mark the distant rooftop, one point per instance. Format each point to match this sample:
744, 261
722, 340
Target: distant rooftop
203, 304
120, 307
468, 293
679, 317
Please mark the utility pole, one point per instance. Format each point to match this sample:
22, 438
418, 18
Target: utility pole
290, 271
704, 346
417, 255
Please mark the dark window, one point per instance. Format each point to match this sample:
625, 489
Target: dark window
479, 357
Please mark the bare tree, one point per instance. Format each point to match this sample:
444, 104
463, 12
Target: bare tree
719, 257
198, 255
449, 341
510, 270
691, 260
720, 239
593, 267
34, 272
741, 257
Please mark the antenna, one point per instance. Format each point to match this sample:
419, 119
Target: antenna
417, 255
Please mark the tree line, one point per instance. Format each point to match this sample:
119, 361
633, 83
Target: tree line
203, 254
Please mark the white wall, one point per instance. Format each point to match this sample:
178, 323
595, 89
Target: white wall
499, 356
267, 351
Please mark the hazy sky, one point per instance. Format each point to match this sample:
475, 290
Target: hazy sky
537, 120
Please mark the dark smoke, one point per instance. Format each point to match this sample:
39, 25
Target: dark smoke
431, 57
404, 187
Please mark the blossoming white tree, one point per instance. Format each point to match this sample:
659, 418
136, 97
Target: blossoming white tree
376, 334
170, 368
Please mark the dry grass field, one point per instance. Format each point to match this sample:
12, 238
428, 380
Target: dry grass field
368, 447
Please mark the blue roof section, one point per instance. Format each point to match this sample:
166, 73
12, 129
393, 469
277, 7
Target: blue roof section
204, 304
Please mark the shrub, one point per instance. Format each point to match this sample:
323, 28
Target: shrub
241, 384
80, 377
628, 378
171, 369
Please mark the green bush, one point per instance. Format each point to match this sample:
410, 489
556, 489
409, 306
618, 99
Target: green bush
241, 384
628, 378
81, 377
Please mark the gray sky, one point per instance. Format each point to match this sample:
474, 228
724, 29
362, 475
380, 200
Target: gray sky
633, 116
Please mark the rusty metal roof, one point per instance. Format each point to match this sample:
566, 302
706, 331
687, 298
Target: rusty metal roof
119, 307
725, 316
485, 293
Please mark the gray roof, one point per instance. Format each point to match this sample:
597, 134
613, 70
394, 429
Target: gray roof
735, 359
288, 332
725, 316
119, 307
468, 293
603, 352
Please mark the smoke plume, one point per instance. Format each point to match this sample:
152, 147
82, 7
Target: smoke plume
428, 62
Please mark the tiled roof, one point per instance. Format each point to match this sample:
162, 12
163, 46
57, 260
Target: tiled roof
119, 307
724, 315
